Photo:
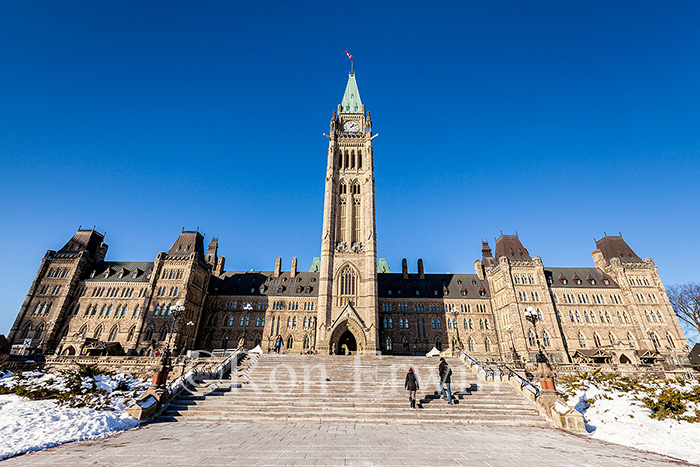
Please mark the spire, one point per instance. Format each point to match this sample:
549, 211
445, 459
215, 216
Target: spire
351, 99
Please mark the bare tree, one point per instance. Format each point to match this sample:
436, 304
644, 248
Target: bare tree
685, 299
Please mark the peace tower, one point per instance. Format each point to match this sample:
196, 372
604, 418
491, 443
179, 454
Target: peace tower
347, 300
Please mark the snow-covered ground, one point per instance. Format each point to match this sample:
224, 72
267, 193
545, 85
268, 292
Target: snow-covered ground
618, 415
31, 425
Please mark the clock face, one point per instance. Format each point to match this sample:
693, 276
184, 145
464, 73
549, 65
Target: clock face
351, 126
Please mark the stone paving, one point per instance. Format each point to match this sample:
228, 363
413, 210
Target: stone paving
348, 445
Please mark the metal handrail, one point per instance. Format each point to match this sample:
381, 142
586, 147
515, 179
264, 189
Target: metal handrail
176, 386
523, 382
475, 362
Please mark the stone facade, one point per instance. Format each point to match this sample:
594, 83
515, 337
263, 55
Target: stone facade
616, 312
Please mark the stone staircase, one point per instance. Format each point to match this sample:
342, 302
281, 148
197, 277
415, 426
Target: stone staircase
340, 390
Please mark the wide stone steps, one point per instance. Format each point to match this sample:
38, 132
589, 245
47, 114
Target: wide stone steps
349, 390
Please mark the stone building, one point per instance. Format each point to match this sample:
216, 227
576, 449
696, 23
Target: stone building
614, 312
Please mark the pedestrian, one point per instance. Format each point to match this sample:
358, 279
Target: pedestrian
445, 379
412, 385
278, 344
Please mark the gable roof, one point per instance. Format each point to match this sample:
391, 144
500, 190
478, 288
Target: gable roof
393, 285
591, 278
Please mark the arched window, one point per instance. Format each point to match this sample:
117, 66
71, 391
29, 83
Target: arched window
600, 315
487, 345
257, 321
449, 324
137, 310
531, 338
481, 324
619, 317
586, 317
439, 324
658, 314
163, 332
149, 333
626, 317
596, 339
388, 343
466, 326
581, 340
438, 343
631, 341
669, 339
97, 333
306, 321
612, 338
113, 334
571, 316
607, 316
646, 314
294, 322
578, 317
545, 339
386, 325
404, 341
290, 341
433, 323
348, 281
471, 344
224, 342
130, 335
83, 331
391, 323
39, 332
289, 322
307, 342
471, 324
486, 323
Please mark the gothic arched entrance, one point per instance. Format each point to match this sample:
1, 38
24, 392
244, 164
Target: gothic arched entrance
347, 343
347, 337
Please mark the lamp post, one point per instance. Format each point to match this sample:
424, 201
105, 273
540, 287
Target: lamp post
653, 340
189, 325
43, 335
543, 369
455, 312
516, 357
246, 308
532, 316
161, 377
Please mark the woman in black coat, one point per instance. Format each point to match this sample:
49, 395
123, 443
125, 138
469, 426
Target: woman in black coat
412, 385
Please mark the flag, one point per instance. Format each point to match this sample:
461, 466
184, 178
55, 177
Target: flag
348, 54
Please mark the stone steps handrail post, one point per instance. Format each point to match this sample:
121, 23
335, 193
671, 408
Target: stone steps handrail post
478, 368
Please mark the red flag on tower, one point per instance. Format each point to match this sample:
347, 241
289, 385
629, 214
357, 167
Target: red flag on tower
348, 54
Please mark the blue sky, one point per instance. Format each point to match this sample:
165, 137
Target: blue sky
558, 120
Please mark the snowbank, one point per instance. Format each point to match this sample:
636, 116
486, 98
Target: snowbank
31, 425
619, 416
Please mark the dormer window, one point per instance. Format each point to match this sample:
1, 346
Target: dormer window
463, 292
299, 289
578, 281
564, 281
280, 289
389, 292
134, 274
262, 288
592, 281
92, 274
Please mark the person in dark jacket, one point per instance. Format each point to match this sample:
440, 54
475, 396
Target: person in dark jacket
445, 379
412, 385
278, 344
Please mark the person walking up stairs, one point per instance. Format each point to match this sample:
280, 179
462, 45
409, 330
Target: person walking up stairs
412, 385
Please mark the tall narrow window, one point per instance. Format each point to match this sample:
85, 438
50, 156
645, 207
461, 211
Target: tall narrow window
356, 220
342, 219
348, 281
359, 159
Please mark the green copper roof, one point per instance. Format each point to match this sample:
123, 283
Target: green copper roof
351, 99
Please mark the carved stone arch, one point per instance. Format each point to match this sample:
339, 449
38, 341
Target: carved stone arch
348, 325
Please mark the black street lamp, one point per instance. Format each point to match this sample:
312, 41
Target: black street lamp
532, 316
652, 336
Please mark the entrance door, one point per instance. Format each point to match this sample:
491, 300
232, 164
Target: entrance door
347, 344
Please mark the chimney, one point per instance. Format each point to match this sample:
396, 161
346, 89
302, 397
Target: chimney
294, 267
404, 268
278, 267
421, 273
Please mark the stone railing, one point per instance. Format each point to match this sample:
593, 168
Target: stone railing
547, 402
139, 367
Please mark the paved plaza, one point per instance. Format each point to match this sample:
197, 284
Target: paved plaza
352, 445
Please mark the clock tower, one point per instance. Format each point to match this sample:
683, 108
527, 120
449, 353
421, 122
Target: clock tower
347, 300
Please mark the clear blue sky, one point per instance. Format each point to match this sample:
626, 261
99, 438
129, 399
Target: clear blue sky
558, 120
